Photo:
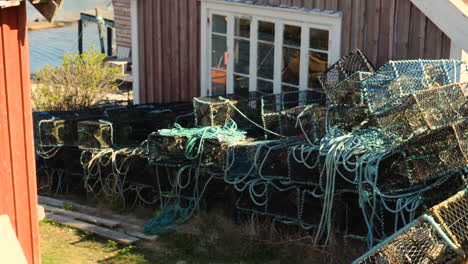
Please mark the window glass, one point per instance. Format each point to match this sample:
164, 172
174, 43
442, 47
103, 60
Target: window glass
241, 85
218, 82
291, 65
266, 31
219, 52
242, 28
220, 24
292, 36
318, 39
265, 60
317, 64
265, 86
241, 56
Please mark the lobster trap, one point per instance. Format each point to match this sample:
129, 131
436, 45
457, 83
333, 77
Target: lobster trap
305, 164
166, 149
348, 91
437, 153
452, 216
300, 121
418, 243
398, 79
101, 134
342, 69
51, 133
213, 111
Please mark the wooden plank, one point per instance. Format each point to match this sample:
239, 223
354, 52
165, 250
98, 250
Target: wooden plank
183, 47
157, 51
386, 31
97, 230
142, 5
150, 51
433, 42
16, 39
167, 51
417, 33
372, 32
175, 50
357, 28
81, 216
346, 7
402, 29
194, 48
446, 45
142, 236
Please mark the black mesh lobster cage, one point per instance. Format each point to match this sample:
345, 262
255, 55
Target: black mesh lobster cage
102, 134
345, 67
55, 129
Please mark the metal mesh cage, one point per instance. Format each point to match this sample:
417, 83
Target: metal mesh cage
452, 216
345, 67
348, 91
418, 243
101, 134
212, 111
438, 152
398, 79
51, 133
166, 149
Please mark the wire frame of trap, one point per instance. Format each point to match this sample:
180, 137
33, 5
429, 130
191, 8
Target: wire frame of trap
101, 134
166, 149
300, 121
420, 242
51, 133
424, 110
452, 216
345, 67
438, 152
398, 79
349, 90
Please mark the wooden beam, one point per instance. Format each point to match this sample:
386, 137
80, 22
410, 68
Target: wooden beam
47, 8
97, 230
81, 216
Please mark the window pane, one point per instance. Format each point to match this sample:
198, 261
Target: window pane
291, 65
292, 35
241, 56
266, 31
219, 24
242, 28
266, 60
265, 87
219, 52
317, 64
218, 82
241, 86
318, 39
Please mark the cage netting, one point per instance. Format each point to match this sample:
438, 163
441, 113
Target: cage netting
343, 68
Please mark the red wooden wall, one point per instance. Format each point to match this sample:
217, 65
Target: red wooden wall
18, 194
170, 44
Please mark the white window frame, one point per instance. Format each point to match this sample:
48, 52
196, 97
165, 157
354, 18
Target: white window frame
325, 20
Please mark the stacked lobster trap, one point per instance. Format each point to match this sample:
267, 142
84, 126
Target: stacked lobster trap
377, 147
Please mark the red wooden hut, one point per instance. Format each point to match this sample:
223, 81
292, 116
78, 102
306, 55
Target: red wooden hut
18, 194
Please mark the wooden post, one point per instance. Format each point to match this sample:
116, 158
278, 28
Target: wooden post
100, 24
80, 36
109, 41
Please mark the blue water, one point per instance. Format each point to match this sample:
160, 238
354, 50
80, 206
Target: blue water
49, 45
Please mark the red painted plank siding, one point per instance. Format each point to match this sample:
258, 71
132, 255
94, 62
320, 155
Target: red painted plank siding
18, 197
170, 60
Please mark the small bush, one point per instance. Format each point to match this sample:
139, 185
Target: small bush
78, 83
